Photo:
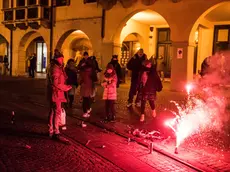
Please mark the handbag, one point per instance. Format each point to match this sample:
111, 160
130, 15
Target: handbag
63, 119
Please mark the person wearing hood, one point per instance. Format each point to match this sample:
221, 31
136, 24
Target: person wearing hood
117, 68
56, 94
149, 84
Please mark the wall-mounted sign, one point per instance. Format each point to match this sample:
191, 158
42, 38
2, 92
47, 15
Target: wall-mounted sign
179, 53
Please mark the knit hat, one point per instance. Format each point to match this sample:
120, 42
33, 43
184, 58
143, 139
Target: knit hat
110, 66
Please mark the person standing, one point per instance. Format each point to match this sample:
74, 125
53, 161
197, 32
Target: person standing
33, 62
110, 92
56, 88
117, 68
95, 77
71, 72
134, 65
149, 83
160, 67
86, 89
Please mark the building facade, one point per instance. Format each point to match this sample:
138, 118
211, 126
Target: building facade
184, 32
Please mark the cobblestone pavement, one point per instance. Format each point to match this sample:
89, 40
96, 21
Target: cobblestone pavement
25, 146
203, 156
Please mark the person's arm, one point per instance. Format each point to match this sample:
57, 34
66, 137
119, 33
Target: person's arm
119, 75
130, 64
55, 78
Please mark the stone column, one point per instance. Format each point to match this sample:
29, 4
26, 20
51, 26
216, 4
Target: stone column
106, 53
182, 65
117, 49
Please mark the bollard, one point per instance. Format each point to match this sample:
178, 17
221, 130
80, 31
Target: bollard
151, 148
12, 117
176, 151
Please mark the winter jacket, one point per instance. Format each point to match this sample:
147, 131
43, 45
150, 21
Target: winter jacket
86, 82
72, 76
56, 83
117, 68
135, 64
110, 87
152, 81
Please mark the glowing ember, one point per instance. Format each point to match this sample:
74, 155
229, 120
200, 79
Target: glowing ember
189, 87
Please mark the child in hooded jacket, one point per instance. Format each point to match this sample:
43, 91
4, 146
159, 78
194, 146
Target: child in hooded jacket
110, 92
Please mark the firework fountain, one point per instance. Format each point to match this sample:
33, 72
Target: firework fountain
202, 111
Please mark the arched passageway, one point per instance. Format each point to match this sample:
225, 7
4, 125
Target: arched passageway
211, 33
32, 43
4, 56
152, 33
73, 43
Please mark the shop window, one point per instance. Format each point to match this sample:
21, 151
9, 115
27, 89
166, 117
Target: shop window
89, 1
5, 4
59, 3
44, 2
31, 2
32, 13
20, 3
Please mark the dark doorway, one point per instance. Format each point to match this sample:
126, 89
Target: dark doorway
164, 48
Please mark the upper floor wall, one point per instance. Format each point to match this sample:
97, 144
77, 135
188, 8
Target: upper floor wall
178, 16
78, 9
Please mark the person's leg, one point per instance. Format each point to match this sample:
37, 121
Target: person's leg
84, 104
32, 72
112, 109
143, 104
132, 92
51, 119
162, 76
71, 98
57, 117
152, 105
89, 103
107, 110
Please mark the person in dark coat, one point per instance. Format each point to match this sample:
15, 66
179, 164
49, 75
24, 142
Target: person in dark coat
205, 66
117, 68
149, 83
71, 72
135, 64
33, 62
86, 89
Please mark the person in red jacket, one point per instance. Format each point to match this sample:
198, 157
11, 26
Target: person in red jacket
56, 88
